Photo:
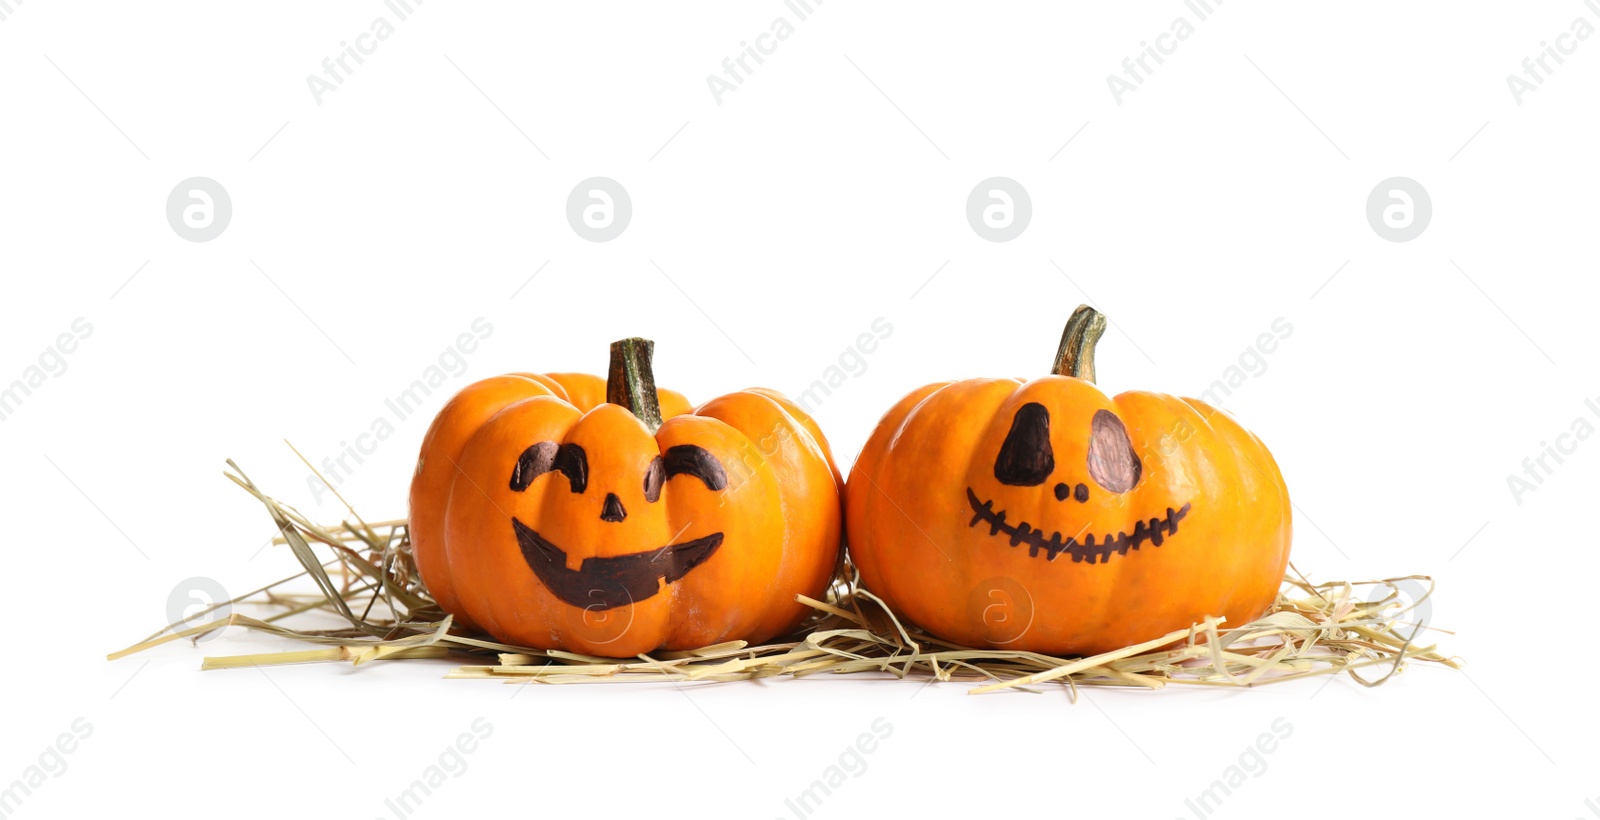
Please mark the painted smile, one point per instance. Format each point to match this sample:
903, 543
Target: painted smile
1154, 530
606, 583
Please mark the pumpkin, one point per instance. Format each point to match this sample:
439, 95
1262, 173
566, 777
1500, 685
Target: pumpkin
447, 436
557, 515
1046, 516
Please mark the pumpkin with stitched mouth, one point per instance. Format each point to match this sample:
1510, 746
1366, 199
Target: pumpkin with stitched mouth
622, 526
1045, 516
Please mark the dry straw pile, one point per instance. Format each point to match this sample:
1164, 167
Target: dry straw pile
371, 583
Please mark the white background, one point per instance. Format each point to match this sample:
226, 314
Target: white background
371, 229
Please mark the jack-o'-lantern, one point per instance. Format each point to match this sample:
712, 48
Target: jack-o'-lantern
447, 437
621, 526
1046, 516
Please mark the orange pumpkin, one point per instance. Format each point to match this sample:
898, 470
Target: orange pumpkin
447, 437
555, 515
1046, 516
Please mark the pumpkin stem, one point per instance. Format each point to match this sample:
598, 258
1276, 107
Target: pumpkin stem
632, 383
1075, 357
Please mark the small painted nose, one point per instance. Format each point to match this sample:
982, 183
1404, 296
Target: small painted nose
613, 511
1064, 492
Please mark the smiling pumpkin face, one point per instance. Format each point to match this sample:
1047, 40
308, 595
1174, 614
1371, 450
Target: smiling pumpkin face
606, 582
1104, 458
586, 531
441, 450
1046, 516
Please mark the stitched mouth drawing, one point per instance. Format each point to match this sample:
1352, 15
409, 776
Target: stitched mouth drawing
601, 583
1154, 530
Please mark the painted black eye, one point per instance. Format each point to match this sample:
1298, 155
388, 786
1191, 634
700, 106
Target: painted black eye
1025, 458
534, 462
573, 462
569, 459
1112, 463
654, 476
688, 459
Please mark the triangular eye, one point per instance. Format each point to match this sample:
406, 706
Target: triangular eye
1025, 458
1112, 463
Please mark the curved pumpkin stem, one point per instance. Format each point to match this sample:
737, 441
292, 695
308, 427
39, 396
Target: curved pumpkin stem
1075, 357
632, 383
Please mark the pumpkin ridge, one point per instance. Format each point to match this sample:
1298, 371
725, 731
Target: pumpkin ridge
803, 423
727, 443
759, 416
1206, 412
905, 421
